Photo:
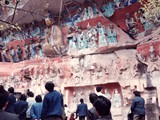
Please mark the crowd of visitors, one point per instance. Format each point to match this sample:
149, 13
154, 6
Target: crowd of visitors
51, 107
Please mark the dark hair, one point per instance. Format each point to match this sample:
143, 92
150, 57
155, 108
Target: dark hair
49, 86
23, 97
102, 105
11, 89
38, 98
98, 89
137, 93
93, 97
30, 94
3, 97
81, 100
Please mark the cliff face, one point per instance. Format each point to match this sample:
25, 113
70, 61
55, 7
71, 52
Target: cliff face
119, 67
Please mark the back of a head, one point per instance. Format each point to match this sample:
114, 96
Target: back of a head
38, 98
3, 97
11, 90
49, 86
102, 106
30, 94
137, 93
93, 97
98, 89
81, 100
23, 97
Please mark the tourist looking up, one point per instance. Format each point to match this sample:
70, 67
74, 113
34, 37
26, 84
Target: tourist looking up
36, 109
137, 106
52, 103
3, 102
11, 101
82, 110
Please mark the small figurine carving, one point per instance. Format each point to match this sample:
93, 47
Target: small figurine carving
116, 99
91, 37
101, 32
81, 39
13, 54
71, 42
108, 9
19, 53
131, 24
112, 34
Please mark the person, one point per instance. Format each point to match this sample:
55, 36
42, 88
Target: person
3, 101
66, 111
11, 101
72, 117
92, 114
99, 91
82, 110
21, 107
30, 101
36, 109
137, 107
52, 103
103, 106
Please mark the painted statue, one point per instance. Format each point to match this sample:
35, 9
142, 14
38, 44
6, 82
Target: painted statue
19, 53
102, 38
54, 38
81, 39
131, 24
95, 10
146, 23
91, 37
108, 9
116, 99
112, 35
71, 42
13, 54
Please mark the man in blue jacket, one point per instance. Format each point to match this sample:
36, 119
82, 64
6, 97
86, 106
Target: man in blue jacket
52, 104
82, 110
36, 108
137, 107
11, 101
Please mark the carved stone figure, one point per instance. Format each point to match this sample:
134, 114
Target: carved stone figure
91, 37
5, 56
101, 32
81, 39
71, 42
108, 9
116, 99
27, 51
112, 34
131, 25
33, 49
13, 54
146, 23
108, 95
54, 37
19, 53
95, 10
90, 12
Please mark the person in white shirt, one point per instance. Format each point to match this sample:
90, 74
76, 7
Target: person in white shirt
30, 101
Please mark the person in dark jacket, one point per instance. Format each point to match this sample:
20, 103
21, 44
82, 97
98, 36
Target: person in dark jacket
36, 109
52, 103
137, 107
103, 106
11, 101
21, 107
3, 100
92, 114
82, 110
